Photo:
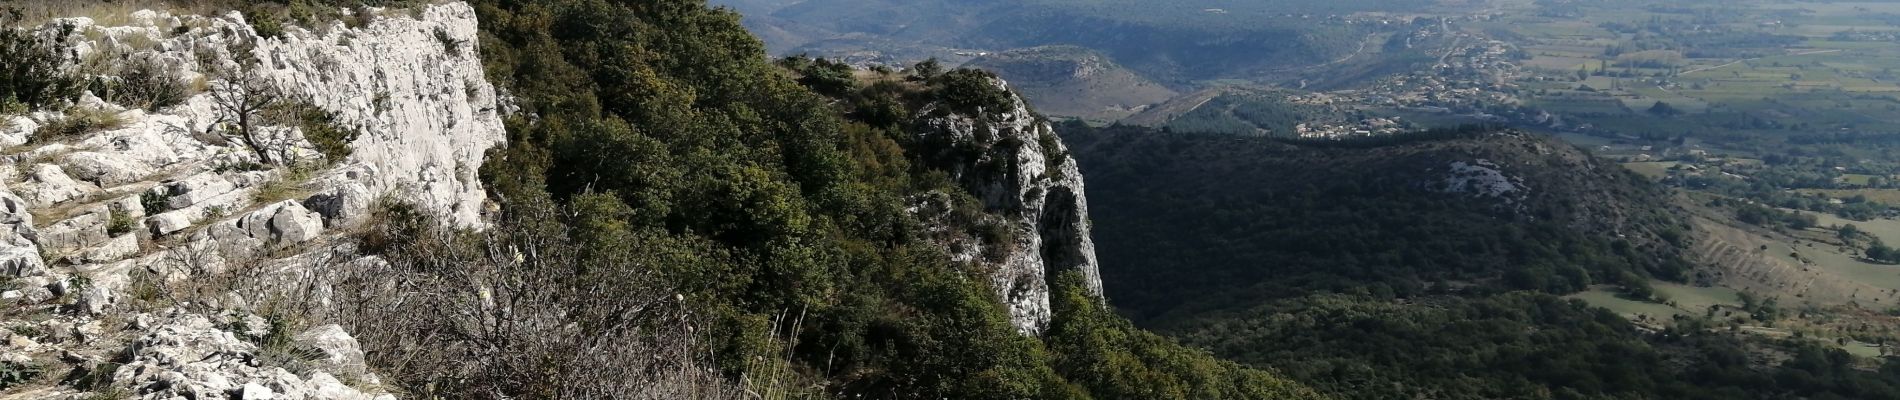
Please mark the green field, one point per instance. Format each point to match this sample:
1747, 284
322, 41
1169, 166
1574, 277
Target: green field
1812, 81
1845, 265
1677, 299
1889, 196
1634, 309
1856, 179
1886, 229
1697, 299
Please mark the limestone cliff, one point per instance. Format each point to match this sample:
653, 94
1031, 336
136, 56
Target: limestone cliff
155, 203
1022, 174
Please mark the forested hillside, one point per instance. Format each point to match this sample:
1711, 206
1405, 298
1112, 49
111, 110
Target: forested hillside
1373, 215
1424, 265
657, 151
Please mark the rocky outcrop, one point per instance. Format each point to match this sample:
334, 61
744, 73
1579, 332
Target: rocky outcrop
157, 211
1023, 176
1482, 178
414, 88
190, 356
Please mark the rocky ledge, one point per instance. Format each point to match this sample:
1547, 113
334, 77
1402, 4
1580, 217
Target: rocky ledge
149, 255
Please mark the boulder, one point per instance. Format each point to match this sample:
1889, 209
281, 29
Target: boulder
293, 224
107, 286
254, 391
343, 204
85, 230
16, 130
168, 223
48, 185
105, 170
196, 189
282, 223
39, 289
129, 207
340, 350
16, 223
19, 261
114, 249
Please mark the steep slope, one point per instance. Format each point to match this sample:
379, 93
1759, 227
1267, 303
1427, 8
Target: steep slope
301, 201
1068, 81
1012, 162
665, 154
155, 250
1424, 266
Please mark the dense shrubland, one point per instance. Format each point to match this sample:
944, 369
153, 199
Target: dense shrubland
663, 174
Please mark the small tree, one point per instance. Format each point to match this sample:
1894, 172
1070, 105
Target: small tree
31, 76
927, 69
1848, 232
1879, 252
240, 97
1664, 109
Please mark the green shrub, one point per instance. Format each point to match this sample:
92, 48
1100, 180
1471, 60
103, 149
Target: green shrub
824, 76
1053, 156
119, 224
267, 23
12, 373
32, 77
145, 84
321, 128
926, 69
970, 91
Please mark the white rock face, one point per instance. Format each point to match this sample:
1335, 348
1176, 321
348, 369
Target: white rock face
425, 110
1025, 176
102, 224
